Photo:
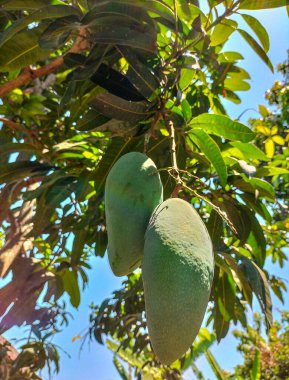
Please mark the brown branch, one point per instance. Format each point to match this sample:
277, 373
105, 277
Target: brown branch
29, 74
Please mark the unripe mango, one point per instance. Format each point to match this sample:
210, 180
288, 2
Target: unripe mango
133, 189
178, 268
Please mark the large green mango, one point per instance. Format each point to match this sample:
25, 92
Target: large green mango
178, 268
133, 189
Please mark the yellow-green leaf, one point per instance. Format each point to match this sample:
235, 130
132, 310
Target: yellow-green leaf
264, 130
278, 140
274, 130
269, 148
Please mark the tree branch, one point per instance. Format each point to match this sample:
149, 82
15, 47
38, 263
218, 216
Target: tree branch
29, 74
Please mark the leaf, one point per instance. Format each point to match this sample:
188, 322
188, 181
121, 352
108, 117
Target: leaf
70, 285
256, 186
219, 373
116, 83
270, 147
235, 83
16, 147
248, 151
243, 281
215, 229
259, 285
120, 369
115, 107
139, 74
230, 56
22, 50
212, 151
255, 372
120, 9
79, 242
58, 32
118, 147
256, 239
262, 4
257, 48
122, 29
237, 217
222, 126
259, 30
278, 139
222, 32
43, 13
16, 171
15, 5
269, 171
263, 110
224, 295
91, 120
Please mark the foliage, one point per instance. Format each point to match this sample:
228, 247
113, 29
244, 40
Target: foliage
272, 355
83, 82
23, 365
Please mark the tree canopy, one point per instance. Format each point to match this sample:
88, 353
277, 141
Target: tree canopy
84, 82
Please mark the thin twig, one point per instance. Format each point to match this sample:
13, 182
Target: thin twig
170, 127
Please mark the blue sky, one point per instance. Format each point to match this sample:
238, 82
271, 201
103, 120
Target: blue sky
95, 362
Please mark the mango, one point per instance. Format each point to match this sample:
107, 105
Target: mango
132, 191
177, 272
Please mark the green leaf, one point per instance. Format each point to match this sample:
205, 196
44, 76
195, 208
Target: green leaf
115, 107
120, 369
139, 74
187, 111
269, 171
22, 50
14, 5
16, 171
212, 151
58, 32
91, 120
43, 13
70, 285
257, 48
230, 56
259, 285
222, 32
257, 186
256, 239
224, 294
246, 151
259, 30
118, 147
119, 9
219, 373
245, 287
255, 372
215, 229
223, 126
235, 83
262, 4
79, 242
237, 217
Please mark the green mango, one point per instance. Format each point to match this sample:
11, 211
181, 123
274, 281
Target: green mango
177, 272
132, 191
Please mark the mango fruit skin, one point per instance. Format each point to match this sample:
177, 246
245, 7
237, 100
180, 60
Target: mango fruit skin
177, 272
132, 190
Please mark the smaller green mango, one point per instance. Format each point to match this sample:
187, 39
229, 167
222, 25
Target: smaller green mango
133, 189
